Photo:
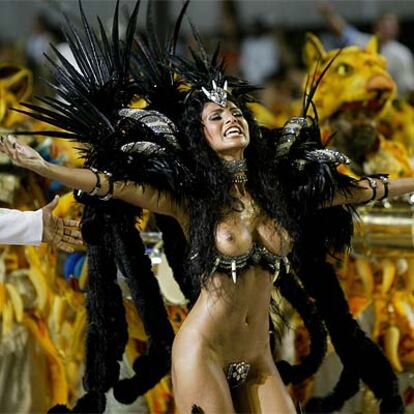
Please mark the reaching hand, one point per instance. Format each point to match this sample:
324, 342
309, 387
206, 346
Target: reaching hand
20, 154
58, 232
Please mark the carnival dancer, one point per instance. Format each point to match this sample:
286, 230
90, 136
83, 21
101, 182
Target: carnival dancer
257, 210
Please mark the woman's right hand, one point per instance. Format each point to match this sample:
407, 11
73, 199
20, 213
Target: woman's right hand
22, 155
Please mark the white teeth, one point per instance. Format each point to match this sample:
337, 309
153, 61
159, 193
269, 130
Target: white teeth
233, 130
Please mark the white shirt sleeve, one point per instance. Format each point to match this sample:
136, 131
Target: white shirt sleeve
352, 36
21, 227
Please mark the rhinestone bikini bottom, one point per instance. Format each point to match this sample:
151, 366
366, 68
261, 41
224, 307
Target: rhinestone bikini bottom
237, 373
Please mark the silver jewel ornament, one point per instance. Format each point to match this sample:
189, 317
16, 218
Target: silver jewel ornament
287, 264
233, 271
235, 166
217, 95
239, 179
277, 270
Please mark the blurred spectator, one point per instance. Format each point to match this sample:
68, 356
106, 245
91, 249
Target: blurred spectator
259, 54
400, 61
230, 35
255, 52
282, 89
38, 42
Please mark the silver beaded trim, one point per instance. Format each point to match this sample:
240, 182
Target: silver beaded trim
142, 147
239, 179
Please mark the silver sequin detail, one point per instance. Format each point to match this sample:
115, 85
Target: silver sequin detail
235, 166
142, 147
154, 120
290, 132
328, 156
238, 169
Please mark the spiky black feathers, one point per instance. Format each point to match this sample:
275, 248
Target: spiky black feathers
88, 95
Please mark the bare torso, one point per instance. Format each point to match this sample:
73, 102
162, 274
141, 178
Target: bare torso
224, 310
230, 321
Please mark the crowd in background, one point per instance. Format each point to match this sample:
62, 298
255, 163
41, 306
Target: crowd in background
263, 54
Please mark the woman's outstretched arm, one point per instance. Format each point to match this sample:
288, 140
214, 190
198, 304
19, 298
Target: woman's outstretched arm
372, 188
26, 157
86, 180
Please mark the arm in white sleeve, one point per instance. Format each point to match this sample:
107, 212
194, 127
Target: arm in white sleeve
352, 36
21, 227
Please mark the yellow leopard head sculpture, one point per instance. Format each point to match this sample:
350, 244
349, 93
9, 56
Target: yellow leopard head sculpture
350, 99
357, 78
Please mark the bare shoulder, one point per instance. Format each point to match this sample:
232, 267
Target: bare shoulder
148, 197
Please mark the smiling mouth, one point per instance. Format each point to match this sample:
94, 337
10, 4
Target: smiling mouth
233, 132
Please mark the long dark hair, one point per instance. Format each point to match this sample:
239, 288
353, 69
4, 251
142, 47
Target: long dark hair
212, 200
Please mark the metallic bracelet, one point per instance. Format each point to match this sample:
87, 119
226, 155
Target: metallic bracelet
373, 186
385, 181
97, 187
110, 192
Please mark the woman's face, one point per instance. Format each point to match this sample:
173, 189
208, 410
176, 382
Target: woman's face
225, 129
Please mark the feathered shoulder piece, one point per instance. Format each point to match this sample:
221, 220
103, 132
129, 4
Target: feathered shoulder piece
310, 175
310, 166
93, 97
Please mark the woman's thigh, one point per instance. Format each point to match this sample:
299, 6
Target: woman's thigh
198, 379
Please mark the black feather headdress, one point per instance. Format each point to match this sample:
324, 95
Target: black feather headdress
201, 72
